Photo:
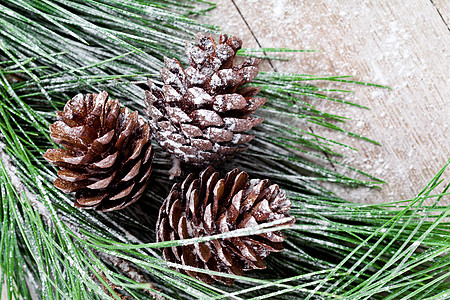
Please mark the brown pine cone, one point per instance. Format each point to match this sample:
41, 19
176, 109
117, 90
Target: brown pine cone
205, 206
108, 155
201, 112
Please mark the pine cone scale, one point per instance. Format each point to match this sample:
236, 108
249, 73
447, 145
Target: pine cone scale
89, 201
101, 184
108, 161
76, 110
175, 214
69, 136
203, 252
69, 187
72, 175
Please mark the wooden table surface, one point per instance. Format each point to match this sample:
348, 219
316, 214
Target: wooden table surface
401, 44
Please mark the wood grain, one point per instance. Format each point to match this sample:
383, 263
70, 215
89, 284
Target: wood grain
443, 9
402, 44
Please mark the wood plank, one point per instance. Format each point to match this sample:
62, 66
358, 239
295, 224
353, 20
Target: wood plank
400, 44
443, 8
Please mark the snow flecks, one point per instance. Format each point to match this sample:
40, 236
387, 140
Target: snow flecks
242, 138
21, 188
126, 267
416, 244
194, 76
223, 103
195, 54
224, 52
218, 135
230, 77
198, 97
171, 94
205, 118
177, 115
279, 8
215, 82
230, 123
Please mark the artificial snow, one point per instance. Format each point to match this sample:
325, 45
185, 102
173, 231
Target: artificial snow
21, 188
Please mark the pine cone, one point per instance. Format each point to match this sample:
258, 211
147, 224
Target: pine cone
108, 155
201, 111
206, 206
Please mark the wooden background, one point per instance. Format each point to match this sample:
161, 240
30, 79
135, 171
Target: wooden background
401, 44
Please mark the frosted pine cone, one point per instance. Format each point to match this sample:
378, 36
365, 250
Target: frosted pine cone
108, 156
205, 205
201, 112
